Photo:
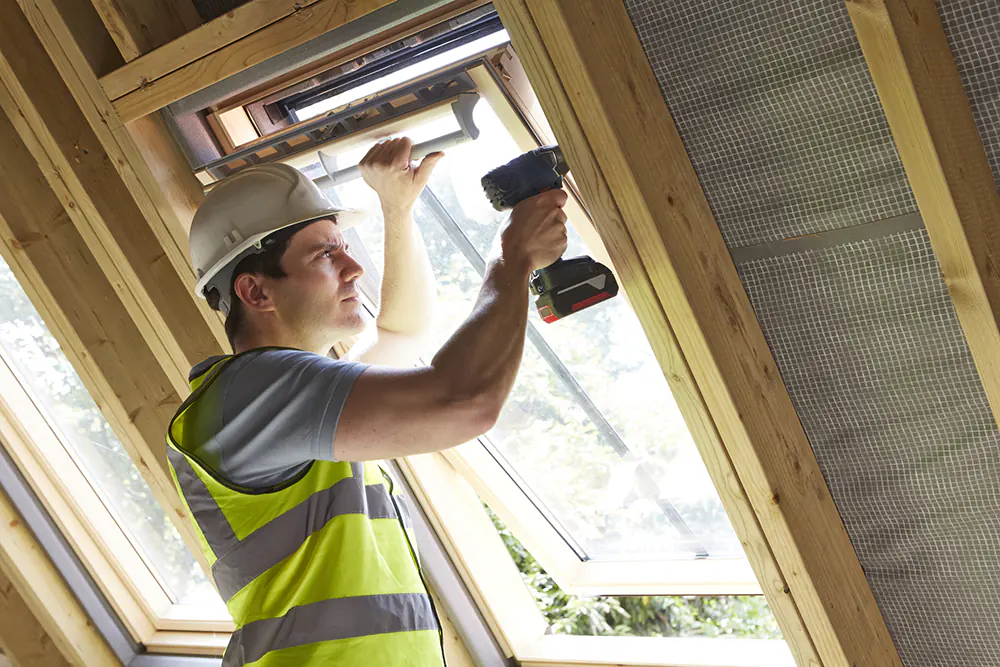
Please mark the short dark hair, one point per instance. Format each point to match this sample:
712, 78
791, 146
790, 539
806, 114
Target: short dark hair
266, 262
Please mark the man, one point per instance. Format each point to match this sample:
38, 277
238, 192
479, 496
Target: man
275, 450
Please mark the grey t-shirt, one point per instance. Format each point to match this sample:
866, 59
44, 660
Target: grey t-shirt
269, 413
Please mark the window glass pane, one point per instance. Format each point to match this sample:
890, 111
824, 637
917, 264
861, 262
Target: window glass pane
591, 430
46, 374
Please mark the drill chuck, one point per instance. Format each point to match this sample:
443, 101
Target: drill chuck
525, 176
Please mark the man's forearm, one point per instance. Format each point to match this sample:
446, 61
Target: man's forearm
408, 287
481, 359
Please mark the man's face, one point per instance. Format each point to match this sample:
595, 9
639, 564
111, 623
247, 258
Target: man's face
319, 297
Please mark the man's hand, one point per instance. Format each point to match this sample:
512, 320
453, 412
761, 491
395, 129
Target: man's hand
535, 235
388, 169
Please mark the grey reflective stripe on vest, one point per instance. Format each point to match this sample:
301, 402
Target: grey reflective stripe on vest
329, 620
213, 523
238, 562
282, 536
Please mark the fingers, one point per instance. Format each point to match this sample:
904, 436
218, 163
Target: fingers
554, 229
554, 198
370, 155
391, 153
398, 154
423, 171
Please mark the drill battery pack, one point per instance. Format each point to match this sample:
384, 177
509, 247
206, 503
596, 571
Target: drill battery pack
569, 286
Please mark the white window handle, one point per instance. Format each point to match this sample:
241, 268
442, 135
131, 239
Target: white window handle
462, 108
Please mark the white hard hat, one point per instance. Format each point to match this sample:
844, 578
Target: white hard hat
243, 210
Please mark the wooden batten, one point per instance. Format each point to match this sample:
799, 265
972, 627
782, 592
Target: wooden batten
212, 36
931, 121
249, 35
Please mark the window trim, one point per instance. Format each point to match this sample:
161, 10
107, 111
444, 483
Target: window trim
715, 576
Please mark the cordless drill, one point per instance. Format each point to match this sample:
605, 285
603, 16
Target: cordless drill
566, 286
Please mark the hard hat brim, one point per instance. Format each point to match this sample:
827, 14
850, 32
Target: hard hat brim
344, 217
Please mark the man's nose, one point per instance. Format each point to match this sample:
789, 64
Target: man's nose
352, 269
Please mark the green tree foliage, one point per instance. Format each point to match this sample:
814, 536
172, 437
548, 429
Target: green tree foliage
744, 616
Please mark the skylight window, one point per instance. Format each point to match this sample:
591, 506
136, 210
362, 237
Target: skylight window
403, 75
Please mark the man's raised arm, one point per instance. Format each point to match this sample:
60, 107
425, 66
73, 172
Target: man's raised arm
399, 412
408, 288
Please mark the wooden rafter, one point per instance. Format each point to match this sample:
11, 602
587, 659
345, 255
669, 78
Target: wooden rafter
78, 53
62, 106
931, 121
231, 43
139, 26
595, 83
45, 595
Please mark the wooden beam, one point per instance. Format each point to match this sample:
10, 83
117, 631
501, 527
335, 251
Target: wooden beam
221, 48
170, 170
36, 581
52, 21
931, 121
86, 314
139, 26
623, 131
642, 294
212, 36
22, 637
80, 170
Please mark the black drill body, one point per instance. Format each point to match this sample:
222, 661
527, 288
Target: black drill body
566, 286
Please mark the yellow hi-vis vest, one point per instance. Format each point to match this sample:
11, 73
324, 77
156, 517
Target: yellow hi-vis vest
318, 571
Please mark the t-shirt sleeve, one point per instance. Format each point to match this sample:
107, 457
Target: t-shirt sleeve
280, 410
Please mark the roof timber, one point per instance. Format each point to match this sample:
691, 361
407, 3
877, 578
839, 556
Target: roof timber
229, 44
928, 111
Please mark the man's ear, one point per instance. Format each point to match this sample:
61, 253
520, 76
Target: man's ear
253, 291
